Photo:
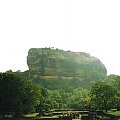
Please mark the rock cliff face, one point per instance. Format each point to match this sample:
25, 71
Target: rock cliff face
53, 64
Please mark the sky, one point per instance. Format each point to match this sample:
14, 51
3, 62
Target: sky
91, 26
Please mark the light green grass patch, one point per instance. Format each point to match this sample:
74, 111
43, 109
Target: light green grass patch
55, 116
116, 113
31, 115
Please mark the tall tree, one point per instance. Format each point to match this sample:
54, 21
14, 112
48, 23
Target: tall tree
16, 94
102, 96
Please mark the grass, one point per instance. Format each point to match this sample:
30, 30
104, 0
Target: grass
30, 115
116, 113
55, 116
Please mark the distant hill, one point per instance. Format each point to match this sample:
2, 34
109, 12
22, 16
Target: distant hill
56, 64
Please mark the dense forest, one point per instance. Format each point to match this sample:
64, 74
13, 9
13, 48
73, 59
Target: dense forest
80, 84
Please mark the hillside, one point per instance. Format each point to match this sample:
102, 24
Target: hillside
56, 64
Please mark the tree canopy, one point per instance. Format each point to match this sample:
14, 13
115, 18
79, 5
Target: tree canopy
102, 96
17, 96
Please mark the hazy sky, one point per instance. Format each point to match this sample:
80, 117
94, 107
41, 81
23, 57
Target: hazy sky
91, 26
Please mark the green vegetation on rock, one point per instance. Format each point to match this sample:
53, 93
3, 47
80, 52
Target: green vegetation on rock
64, 80
59, 65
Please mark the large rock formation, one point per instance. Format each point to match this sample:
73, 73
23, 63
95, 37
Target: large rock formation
54, 64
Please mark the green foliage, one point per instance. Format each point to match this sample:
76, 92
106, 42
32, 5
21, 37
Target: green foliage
56, 99
17, 96
66, 78
102, 96
55, 64
43, 103
77, 99
11, 93
31, 97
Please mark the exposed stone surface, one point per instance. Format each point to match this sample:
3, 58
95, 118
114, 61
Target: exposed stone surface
49, 64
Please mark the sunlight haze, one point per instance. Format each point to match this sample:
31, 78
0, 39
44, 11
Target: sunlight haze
90, 26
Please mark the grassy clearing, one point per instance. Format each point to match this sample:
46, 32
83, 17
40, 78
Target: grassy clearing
55, 116
30, 115
116, 113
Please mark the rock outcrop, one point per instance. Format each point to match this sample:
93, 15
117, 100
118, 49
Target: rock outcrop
53, 64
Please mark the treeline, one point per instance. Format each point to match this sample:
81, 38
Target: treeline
19, 95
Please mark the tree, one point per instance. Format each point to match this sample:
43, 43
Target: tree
31, 97
11, 90
102, 96
55, 98
17, 95
116, 84
43, 105
78, 99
